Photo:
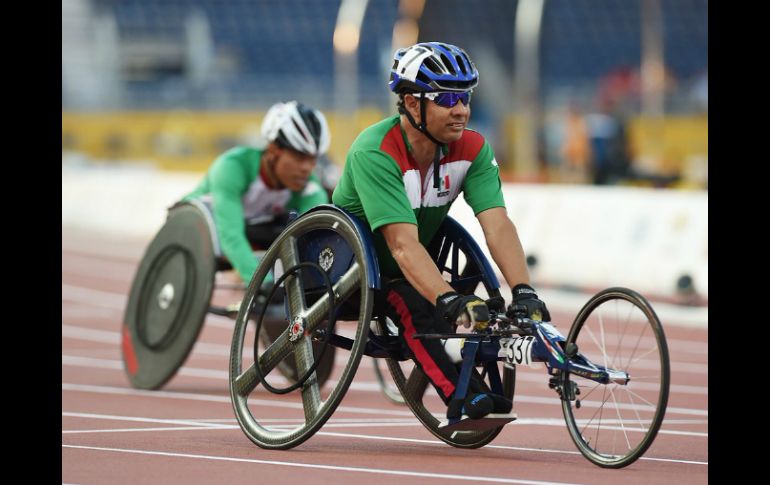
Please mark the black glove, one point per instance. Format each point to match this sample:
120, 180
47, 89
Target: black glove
527, 304
463, 309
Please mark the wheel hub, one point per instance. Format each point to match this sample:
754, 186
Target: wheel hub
166, 296
296, 329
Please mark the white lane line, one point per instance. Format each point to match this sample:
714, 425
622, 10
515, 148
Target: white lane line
371, 425
337, 422
93, 297
108, 249
500, 447
376, 471
94, 363
230, 426
220, 399
397, 420
137, 430
342, 423
76, 332
84, 266
112, 417
362, 386
90, 334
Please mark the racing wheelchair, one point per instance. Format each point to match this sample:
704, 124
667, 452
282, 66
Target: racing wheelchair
610, 372
172, 291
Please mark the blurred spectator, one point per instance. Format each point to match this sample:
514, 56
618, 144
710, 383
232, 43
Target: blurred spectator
575, 148
609, 146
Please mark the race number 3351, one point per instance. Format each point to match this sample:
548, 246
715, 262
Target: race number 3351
517, 350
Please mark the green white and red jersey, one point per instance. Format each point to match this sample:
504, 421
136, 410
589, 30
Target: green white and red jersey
382, 184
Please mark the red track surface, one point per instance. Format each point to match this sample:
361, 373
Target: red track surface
186, 433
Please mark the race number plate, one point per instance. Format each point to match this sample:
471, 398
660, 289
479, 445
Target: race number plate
517, 350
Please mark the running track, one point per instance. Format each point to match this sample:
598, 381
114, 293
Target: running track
186, 433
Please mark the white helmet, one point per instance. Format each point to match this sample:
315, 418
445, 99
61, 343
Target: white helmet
301, 128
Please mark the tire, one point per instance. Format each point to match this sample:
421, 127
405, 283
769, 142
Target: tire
169, 298
613, 323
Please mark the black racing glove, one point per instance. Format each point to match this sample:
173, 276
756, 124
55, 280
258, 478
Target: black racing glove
463, 309
527, 304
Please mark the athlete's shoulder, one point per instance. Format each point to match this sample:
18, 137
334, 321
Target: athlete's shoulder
471, 142
242, 152
372, 137
235, 167
468, 146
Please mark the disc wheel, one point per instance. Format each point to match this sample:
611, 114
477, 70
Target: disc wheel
328, 238
615, 423
168, 300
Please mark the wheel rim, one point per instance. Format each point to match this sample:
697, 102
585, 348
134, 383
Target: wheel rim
616, 423
305, 409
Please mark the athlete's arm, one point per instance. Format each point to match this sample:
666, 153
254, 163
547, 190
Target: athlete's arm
503, 241
413, 259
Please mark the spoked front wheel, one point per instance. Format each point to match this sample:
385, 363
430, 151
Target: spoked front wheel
614, 424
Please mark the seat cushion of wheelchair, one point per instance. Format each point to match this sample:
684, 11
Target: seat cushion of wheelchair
489, 421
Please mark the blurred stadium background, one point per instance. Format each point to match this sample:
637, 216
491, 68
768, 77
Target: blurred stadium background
573, 94
175, 82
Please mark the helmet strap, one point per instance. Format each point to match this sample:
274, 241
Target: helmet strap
423, 128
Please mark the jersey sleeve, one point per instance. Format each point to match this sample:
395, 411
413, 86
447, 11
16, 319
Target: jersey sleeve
380, 187
482, 187
228, 182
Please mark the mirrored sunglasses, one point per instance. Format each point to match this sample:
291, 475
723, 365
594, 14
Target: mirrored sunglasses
448, 99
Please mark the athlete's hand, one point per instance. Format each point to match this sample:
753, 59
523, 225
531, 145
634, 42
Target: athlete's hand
463, 310
527, 304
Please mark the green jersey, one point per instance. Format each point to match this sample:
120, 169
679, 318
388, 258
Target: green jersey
381, 183
239, 193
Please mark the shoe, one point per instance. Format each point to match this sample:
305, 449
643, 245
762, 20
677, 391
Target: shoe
475, 406
500, 405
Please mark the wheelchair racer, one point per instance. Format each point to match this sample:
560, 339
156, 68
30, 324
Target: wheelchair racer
251, 190
401, 176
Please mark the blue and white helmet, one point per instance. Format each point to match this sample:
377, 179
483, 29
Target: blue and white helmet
296, 126
432, 66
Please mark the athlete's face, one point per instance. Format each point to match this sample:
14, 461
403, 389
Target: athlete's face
445, 124
293, 168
